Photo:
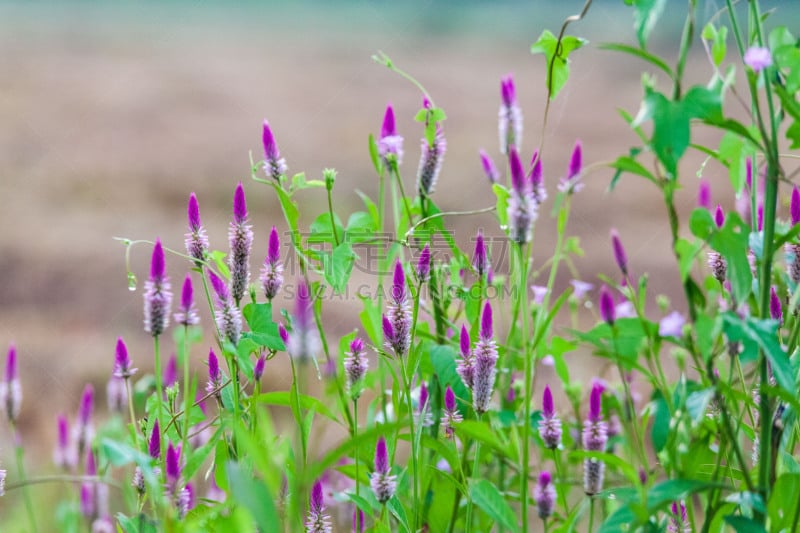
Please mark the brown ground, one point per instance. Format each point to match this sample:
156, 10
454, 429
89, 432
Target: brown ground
110, 117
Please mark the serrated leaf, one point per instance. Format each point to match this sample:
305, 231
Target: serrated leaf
486, 496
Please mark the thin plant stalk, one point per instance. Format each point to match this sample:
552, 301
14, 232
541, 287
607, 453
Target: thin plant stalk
159, 387
186, 389
474, 474
19, 453
300, 465
522, 268
357, 461
414, 472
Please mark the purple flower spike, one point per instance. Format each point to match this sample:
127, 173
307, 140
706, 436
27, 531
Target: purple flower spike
187, 313
240, 238
480, 261
775, 309
122, 362
758, 58
424, 264
678, 522
571, 183
449, 399
719, 216
544, 494
464, 341
196, 240
594, 437
239, 205
382, 483
485, 362
258, 369
87, 405
550, 425
62, 455
274, 250
489, 168
537, 180
518, 181
607, 308
272, 271
388, 330
283, 334
794, 207
214, 374
193, 212
398, 314
227, 315
170, 377
451, 415
219, 286
355, 366
509, 127
595, 398
619, 252
274, 164
522, 203
154, 446
430, 163
358, 521
157, 295
83, 432
704, 195
748, 176
760, 216
10, 387
304, 341
575, 162
317, 521
173, 467
466, 365
390, 145
423, 415
388, 128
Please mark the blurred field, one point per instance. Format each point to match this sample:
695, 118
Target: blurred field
110, 116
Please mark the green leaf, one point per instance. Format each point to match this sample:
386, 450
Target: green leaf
761, 333
253, 495
338, 266
218, 258
673, 490
399, 512
782, 503
687, 252
641, 54
661, 418
557, 58
502, 194
299, 182
732, 241
717, 38
629, 164
480, 431
322, 231
289, 206
486, 496
645, 17
374, 154
742, 524
308, 403
136, 524
264, 331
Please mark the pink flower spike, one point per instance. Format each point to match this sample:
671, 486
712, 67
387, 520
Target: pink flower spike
607, 307
489, 168
464, 341
575, 162
794, 207
486, 322
704, 195
517, 172
619, 252
719, 216
388, 128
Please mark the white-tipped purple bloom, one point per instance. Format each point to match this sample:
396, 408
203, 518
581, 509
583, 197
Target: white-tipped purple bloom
89, 489
122, 361
430, 163
382, 483
550, 425
258, 368
83, 432
758, 58
704, 195
537, 180
594, 438
619, 252
451, 415
572, 182
390, 144
398, 314
424, 264
775, 308
240, 238
63, 454
466, 365
521, 204
172, 469
10, 387
227, 315
792, 250
607, 308
671, 325
423, 416
170, 373
214, 374
544, 494
304, 341
678, 521
272, 271
274, 164
157, 295
355, 367
196, 239
186, 315
317, 521
480, 260
485, 357
509, 126
489, 168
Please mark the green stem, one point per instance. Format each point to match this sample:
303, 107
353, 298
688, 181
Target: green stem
330, 213
414, 459
686, 43
159, 389
20, 456
403, 197
186, 389
357, 460
591, 514
474, 474
296, 513
522, 269
129, 394
559, 479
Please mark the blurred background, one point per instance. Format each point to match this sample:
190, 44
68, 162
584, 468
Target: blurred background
112, 113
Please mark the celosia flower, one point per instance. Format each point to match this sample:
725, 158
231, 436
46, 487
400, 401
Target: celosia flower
537, 180
549, 425
240, 238
122, 361
509, 126
466, 365
214, 374
304, 341
187, 312
274, 164
595, 437
607, 307
284, 335
258, 369
88, 489
485, 358
172, 469
382, 483
272, 271
671, 325
619, 252
196, 239
358, 521
317, 521
63, 455
480, 261
792, 252
775, 308
489, 167
154, 450
571, 183
10, 387
451, 415
116, 395
424, 264
355, 367
170, 372
227, 315
157, 295
521, 204
398, 315
704, 195
390, 144
430, 163
84, 430
185, 500
423, 415
758, 58
678, 521
544, 494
